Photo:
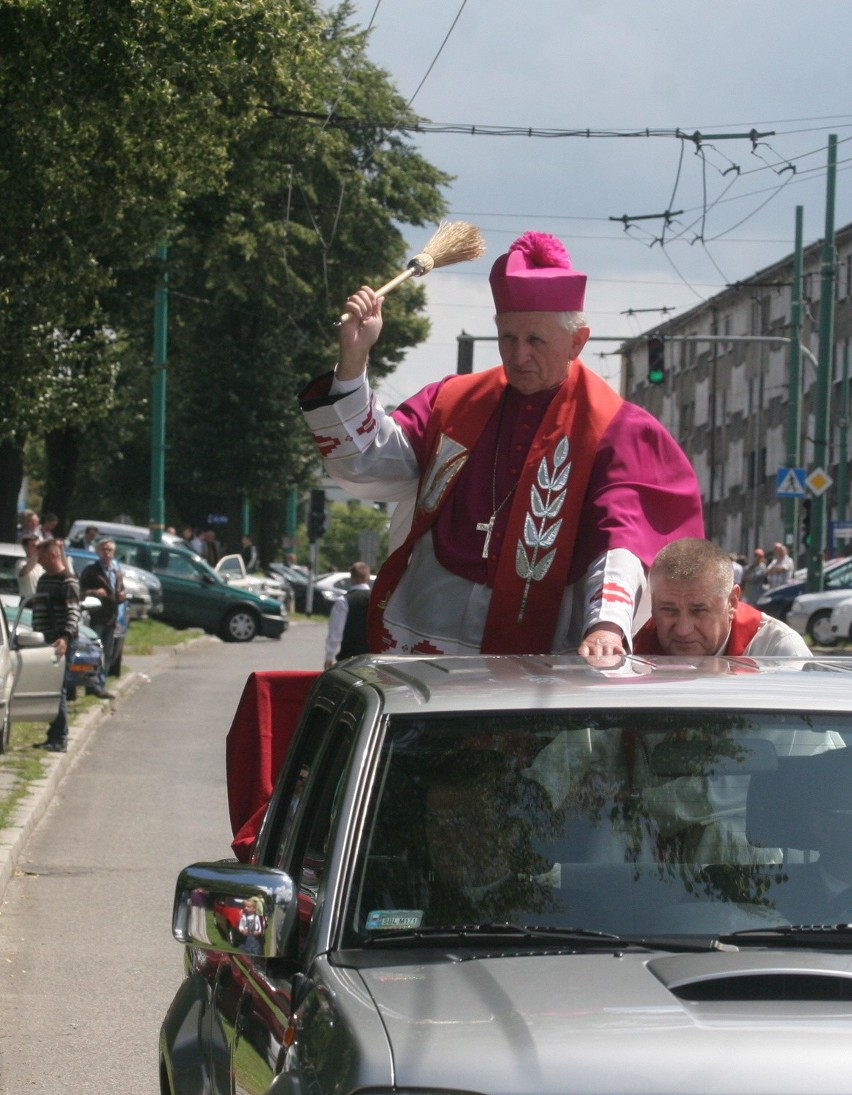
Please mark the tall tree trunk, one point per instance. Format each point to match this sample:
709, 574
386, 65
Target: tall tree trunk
270, 523
62, 448
11, 477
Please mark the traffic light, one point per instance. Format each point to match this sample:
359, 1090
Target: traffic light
316, 515
806, 522
464, 356
656, 360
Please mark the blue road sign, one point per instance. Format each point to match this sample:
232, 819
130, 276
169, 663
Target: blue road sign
790, 483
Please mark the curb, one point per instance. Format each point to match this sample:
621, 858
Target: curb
40, 792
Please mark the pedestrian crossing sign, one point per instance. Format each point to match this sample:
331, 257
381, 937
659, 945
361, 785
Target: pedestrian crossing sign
790, 483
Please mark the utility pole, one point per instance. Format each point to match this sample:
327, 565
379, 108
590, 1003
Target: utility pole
794, 394
828, 264
157, 509
843, 455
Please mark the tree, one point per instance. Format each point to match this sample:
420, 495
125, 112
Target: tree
341, 545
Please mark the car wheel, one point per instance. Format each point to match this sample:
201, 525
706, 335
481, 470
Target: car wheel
239, 626
819, 629
5, 729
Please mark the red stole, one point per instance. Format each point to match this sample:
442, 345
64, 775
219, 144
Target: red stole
744, 627
544, 516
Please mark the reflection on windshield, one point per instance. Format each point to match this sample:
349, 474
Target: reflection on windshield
683, 822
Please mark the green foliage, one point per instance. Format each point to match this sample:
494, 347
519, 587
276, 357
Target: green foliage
342, 545
258, 140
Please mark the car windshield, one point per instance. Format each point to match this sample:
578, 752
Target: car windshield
640, 824
183, 564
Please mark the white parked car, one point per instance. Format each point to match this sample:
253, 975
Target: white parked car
840, 621
233, 569
810, 614
117, 528
10, 555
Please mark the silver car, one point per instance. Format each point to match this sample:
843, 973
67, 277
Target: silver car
31, 677
534, 874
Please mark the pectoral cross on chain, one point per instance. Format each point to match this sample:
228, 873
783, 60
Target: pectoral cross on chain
487, 527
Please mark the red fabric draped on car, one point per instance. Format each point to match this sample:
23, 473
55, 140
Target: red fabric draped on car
261, 731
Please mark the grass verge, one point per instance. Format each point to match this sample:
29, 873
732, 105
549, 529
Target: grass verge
144, 635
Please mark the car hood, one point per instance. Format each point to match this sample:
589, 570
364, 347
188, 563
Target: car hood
619, 1022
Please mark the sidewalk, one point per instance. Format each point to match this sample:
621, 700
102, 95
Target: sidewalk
40, 792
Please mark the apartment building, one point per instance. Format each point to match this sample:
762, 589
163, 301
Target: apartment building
727, 401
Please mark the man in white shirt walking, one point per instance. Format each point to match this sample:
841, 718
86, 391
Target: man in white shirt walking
347, 623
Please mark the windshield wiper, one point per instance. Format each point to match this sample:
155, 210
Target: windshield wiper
501, 931
571, 937
794, 934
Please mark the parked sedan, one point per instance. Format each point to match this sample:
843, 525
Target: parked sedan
194, 595
329, 588
810, 614
778, 601
10, 556
840, 621
536, 875
296, 579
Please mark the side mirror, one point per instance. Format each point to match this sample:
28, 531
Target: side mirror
90, 603
236, 909
29, 640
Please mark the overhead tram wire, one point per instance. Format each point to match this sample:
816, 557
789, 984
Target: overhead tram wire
426, 75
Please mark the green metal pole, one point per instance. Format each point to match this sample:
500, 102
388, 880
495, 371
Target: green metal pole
794, 398
828, 262
843, 455
246, 517
157, 519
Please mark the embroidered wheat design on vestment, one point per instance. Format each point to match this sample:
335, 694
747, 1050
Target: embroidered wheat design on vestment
542, 522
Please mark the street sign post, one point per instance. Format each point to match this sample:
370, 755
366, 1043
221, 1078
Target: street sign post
818, 482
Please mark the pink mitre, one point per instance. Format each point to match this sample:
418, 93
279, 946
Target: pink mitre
536, 275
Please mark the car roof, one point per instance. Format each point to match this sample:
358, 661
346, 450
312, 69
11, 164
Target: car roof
522, 683
120, 528
179, 549
826, 596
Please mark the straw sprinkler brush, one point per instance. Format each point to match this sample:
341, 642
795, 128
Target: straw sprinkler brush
453, 241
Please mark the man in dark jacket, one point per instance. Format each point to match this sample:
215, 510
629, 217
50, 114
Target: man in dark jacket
56, 613
102, 579
347, 622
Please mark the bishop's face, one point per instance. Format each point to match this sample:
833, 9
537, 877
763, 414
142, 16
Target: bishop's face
536, 349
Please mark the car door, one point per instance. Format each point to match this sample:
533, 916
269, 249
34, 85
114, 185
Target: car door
38, 679
191, 595
305, 818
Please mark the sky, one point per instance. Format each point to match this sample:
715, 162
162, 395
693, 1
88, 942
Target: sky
612, 67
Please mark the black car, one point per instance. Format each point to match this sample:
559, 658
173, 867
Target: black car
297, 581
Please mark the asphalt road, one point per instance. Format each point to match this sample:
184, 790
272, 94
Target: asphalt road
88, 962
